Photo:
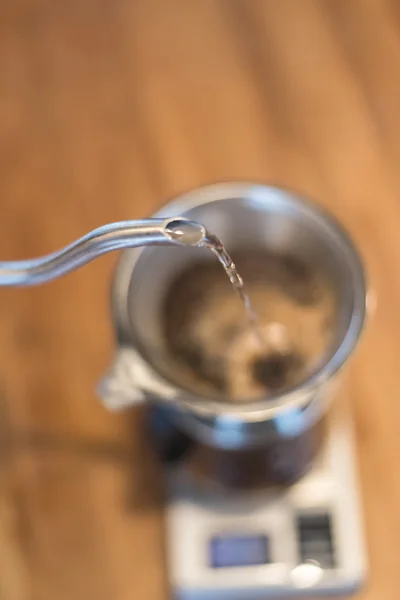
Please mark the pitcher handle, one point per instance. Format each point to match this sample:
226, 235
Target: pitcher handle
130, 380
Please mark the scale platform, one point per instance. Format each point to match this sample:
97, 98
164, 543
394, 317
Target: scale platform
303, 541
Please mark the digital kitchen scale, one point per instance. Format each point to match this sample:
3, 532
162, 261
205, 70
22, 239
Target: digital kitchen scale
303, 541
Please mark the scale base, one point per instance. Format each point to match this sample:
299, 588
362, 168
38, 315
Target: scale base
305, 540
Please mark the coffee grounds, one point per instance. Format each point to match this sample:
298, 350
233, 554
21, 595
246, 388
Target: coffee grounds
213, 351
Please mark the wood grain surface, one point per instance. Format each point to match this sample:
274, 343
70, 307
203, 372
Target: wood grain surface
107, 109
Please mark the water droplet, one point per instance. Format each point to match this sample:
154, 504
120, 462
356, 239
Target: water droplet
187, 233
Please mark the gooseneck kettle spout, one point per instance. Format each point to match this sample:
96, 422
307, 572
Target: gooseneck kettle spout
114, 236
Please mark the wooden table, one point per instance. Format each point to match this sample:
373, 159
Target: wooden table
108, 109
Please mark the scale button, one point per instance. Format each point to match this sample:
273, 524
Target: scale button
315, 540
306, 575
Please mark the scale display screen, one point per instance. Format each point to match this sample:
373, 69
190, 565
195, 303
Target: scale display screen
238, 551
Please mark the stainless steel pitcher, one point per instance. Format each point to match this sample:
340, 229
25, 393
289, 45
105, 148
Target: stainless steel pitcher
242, 215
